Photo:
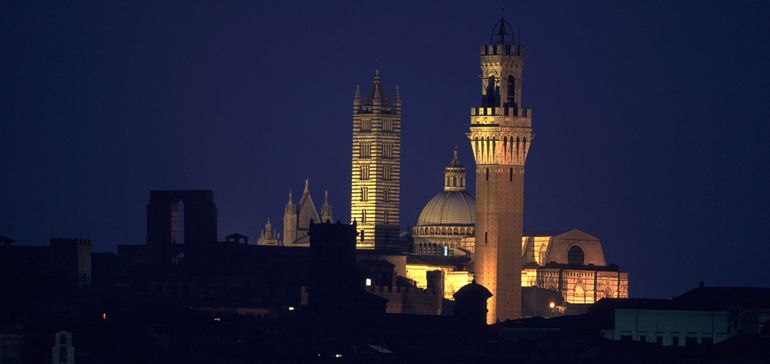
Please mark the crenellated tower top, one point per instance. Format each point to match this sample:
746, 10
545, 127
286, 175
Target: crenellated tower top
501, 126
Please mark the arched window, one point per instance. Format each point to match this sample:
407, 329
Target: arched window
492, 97
454, 181
505, 146
517, 147
494, 143
510, 174
575, 255
487, 173
511, 91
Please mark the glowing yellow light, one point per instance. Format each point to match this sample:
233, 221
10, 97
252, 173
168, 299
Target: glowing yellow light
552, 305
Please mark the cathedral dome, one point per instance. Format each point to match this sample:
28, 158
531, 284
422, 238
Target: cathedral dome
447, 222
449, 208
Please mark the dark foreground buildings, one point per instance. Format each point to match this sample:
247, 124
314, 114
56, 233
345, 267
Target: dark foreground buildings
203, 301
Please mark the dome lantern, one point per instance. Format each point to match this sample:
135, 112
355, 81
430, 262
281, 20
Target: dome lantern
454, 175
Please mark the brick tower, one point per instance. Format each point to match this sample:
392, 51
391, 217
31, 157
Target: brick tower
500, 136
376, 170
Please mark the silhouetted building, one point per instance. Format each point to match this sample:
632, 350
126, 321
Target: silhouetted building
335, 293
73, 256
704, 315
181, 217
63, 263
63, 352
11, 344
471, 304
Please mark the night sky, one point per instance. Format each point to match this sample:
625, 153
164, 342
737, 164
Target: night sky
652, 118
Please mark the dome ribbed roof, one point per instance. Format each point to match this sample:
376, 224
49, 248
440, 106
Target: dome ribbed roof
449, 208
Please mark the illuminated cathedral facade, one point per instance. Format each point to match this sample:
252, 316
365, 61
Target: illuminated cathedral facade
459, 237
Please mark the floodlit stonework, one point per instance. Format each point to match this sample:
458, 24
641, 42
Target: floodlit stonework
445, 226
296, 221
500, 136
376, 168
572, 263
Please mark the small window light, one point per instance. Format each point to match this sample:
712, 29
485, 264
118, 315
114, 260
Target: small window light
446, 251
337, 355
368, 282
217, 319
291, 308
552, 305
104, 315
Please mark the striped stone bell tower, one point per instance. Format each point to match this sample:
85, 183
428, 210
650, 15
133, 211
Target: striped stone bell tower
500, 136
376, 170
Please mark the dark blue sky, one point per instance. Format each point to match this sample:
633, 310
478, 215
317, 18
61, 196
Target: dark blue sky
651, 117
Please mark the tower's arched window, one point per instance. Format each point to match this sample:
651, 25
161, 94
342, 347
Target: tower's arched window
494, 144
575, 255
492, 97
511, 92
510, 174
454, 181
505, 146
487, 173
517, 147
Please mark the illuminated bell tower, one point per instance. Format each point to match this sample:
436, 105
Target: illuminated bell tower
500, 136
376, 169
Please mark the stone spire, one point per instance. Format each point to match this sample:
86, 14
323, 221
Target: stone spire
376, 98
268, 236
290, 207
326, 209
306, 211
454, 175
357, 99
289, 222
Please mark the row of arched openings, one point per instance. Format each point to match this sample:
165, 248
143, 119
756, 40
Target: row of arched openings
512, 148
